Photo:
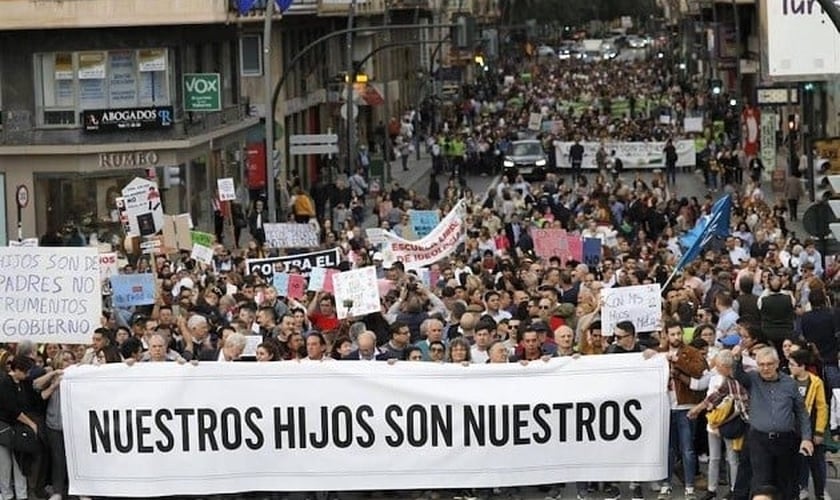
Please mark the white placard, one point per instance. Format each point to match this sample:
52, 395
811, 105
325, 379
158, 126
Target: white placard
535, 121
545, 432
143, 207
790, 26
641, 305
360, 287
49, 295
202, 253
693, 124
227, 191
291, 235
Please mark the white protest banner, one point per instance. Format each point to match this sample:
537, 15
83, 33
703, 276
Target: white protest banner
227, 191
143, 208
304, 261
291, 235
441, 242
356, 292
215, 428
632, 154
49, 295
641, 305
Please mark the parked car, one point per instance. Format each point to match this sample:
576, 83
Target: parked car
545, 51
608, 51
526, 157
637, 42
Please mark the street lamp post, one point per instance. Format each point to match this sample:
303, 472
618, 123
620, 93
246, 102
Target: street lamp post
269, 116
351, 79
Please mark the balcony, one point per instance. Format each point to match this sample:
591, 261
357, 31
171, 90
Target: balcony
58, 14
299, 7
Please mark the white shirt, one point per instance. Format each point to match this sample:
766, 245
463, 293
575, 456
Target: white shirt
479, 356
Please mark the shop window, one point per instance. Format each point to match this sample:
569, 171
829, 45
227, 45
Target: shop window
68, 83
250, 55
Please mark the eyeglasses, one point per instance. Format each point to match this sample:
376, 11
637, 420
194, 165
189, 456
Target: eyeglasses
437, 349
544, 307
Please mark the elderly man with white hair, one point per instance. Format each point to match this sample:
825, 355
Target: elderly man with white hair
197, 341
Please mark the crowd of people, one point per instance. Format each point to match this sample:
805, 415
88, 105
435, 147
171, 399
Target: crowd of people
748, 328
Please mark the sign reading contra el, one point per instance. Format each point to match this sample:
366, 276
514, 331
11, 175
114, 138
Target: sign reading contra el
49, 295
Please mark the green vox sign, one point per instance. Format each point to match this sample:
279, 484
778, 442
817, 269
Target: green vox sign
202, 92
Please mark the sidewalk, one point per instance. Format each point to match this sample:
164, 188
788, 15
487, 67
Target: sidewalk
416, 178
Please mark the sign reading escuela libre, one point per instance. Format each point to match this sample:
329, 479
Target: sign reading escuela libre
115, 120
49, 295
362, 426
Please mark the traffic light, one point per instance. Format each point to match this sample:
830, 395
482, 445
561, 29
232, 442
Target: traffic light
809, 87
716, 87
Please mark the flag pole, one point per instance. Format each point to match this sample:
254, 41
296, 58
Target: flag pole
670, 278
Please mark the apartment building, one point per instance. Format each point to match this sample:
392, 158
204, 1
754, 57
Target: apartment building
96, 92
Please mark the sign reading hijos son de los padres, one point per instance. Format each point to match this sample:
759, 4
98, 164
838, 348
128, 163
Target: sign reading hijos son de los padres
113, 120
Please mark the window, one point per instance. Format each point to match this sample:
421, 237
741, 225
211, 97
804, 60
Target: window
250, 55
71, 82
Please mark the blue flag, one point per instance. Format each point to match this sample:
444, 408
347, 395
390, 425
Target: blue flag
245, 6
717, 224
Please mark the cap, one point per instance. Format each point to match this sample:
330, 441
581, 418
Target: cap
730, 340
377, 256
539, 327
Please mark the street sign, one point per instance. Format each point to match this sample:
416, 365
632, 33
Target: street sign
313, 144
202, 92
22, 196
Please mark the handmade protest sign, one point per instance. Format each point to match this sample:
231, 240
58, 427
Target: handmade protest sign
297, 286
129, 290
227, 191
49, 294
290, 235
423, 222
641, 305
550, 242
320, 279
362, 426
592, 251
356, 292
305, 261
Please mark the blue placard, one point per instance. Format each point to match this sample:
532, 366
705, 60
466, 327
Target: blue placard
132, 289
592, 251
423, 221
